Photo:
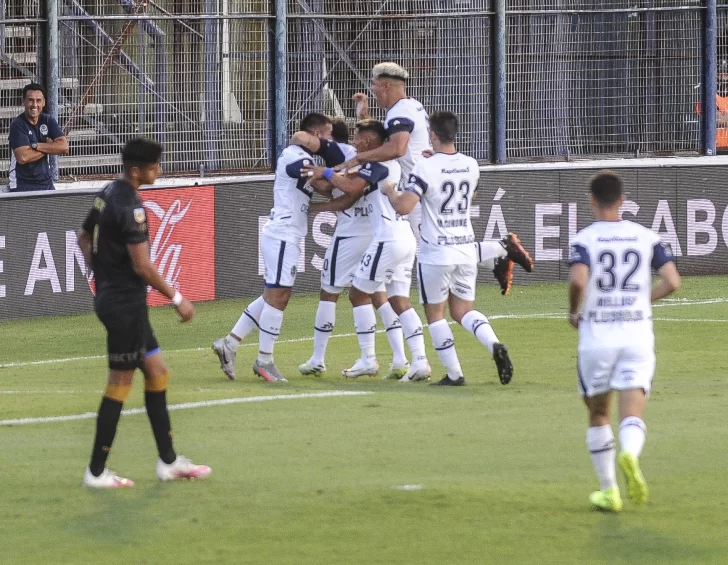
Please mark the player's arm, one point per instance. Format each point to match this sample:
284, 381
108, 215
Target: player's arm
85, 244
307, 140
20, 145
394, 148
343, 202
58, 146
663, 261
578, 279
322, 187
402, 202
348, 184
362, 105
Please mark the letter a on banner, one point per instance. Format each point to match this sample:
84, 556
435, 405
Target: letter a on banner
663, 214
42, 254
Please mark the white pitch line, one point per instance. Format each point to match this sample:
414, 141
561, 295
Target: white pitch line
188, 406
546, 316
51, 392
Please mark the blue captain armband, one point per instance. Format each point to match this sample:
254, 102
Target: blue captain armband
328, 173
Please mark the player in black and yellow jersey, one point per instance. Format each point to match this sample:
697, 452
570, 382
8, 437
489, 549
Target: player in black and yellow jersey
115, 242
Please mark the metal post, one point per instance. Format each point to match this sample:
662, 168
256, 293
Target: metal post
499, 82
54, 81
710, 77
281, 101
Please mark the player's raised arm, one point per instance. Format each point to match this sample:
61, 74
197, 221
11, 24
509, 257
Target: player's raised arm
395, 148
354, 185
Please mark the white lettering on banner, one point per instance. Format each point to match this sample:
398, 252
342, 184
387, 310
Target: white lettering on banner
163, 255
705, 226
74, 256
496, 219
724, 226
322, 239
663, 214
572, 221
37, 273
543, 232
2, 286
628, 207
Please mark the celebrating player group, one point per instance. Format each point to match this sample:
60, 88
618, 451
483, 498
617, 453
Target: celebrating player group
402, 183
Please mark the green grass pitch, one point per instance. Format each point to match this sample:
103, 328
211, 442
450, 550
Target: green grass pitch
502, 472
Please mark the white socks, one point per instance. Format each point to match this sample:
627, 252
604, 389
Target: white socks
489, 251
477, 324
632, 435
412, 328
247, 323
600, 443
322, 328
444, 343
365, 324
270, 327
394, 333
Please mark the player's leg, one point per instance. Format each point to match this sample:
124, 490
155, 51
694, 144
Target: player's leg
170, 466
499, 255
124, 343
323, 327
461, 300
633, 379
365, 325
433, 282
594, 370
393, 328
226, 348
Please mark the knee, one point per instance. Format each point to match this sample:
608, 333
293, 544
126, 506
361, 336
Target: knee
118, 392
400, 304
156, 383
358, 298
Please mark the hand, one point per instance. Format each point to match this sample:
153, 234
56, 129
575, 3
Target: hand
312, 173
427, 153
362, 105
388, 188
574, 319
185, 310
347, 164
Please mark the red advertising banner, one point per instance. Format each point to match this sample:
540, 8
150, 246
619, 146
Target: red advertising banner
182, 240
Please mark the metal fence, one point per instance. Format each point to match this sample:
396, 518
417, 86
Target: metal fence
530, 79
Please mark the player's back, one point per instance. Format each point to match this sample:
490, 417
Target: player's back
617, 308
410, 116
445, 184
386, 224
354, 221
291, 197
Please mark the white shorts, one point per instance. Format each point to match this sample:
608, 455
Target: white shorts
342, 261
388, 262
280, 259
625, 368
436, 282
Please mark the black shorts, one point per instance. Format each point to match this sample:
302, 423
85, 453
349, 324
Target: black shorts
130, 337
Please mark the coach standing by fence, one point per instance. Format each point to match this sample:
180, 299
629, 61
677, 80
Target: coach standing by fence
33, 136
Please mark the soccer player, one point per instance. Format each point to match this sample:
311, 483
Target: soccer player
406, 125
447, 264
388, 259
281, 247
115, 243
610, 302
351, 238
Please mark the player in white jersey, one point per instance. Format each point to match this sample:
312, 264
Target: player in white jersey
610, 302
406, 124
388, 260
350, 240
448, 262
280, 246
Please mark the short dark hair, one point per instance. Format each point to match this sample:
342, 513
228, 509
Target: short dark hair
33, 86
372, 126
606, 188
339, 130
140, 152
445, 125
313, 120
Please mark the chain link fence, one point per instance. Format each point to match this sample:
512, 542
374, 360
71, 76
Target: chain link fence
594, 82
445, 46
192, 74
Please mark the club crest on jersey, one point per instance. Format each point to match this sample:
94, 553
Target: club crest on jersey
43, 129
139, 215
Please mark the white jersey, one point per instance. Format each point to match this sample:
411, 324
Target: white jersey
353, 221
409, 115
617, 308
292, 194
445, 184
386, 224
